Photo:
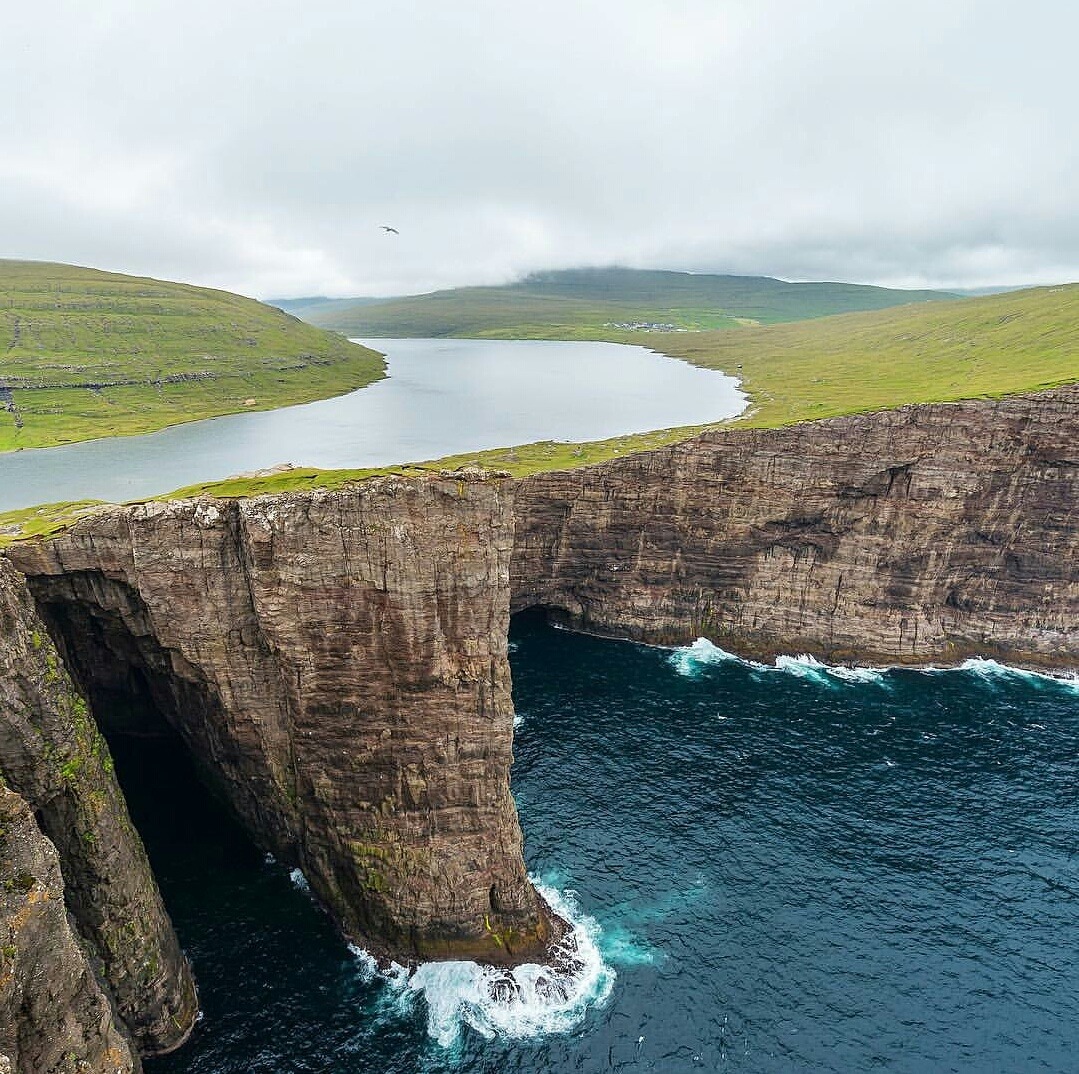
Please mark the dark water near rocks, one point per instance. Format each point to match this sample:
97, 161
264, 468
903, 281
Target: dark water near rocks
789, 871
440, 397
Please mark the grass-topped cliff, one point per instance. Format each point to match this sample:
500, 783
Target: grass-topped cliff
585, 303
85, 354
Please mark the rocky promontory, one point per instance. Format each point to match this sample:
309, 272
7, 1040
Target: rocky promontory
336, 661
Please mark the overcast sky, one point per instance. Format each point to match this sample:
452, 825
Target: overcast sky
259, 145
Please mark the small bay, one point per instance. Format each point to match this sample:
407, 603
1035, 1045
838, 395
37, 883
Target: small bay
789, 867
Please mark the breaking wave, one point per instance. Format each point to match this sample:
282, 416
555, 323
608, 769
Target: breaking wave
527, 1001
691, 660
993, 669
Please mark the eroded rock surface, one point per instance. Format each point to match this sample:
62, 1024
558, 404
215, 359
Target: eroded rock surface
54, 1017
52, 754
336, 662
928, 533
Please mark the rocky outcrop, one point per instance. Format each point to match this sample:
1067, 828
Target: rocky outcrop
927, 533
336, 662
52, 754
54, 1016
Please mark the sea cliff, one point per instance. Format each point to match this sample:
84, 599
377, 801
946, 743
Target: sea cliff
923, 534
70, 843
336, 661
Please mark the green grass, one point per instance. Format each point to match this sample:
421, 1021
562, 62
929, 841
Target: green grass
546, 455
43, 521
974, 348
583, 303
966, 349
85, 354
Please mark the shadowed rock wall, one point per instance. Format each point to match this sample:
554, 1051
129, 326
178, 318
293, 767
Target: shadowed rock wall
52, 754
54, 1016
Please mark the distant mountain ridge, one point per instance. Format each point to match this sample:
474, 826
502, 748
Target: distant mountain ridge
592, 301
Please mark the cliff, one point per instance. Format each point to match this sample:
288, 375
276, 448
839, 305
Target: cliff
52, 754
927, 533
336, 662
54, 1017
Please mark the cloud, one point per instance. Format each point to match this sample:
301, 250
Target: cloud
259, 146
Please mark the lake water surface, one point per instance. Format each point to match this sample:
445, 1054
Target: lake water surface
442, 397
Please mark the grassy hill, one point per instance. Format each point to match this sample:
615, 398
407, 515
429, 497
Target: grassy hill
972, 348
585, 303
85, 354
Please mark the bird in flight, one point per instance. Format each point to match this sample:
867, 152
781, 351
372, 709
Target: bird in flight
387, 228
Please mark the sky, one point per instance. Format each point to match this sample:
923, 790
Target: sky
260, 146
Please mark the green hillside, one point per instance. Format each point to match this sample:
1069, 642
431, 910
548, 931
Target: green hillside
970, 348
85, 354
585, 303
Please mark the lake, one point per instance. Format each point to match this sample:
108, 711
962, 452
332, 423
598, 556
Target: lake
442, 397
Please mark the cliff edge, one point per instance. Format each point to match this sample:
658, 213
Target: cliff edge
53, 756
336, 661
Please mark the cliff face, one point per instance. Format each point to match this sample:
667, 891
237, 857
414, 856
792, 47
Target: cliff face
336, 661
337, 664
52, 754
920, 534
54, 1017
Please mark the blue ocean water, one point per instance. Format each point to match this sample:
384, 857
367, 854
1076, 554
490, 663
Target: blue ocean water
782, 868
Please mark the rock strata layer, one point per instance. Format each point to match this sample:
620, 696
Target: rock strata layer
54, 1016
927, 533
337, 664
52, 754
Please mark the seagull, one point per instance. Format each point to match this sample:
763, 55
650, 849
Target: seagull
387, 228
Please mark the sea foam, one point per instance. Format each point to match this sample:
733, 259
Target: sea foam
528, 1001
691, 660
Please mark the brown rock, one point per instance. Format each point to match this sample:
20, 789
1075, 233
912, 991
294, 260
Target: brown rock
336, 661
52, 754
927, 533
54, 1017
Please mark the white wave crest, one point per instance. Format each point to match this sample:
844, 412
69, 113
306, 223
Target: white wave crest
299, 881
993, 669
527, 1001
688, 660
803, 666
691, 660
857, 674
